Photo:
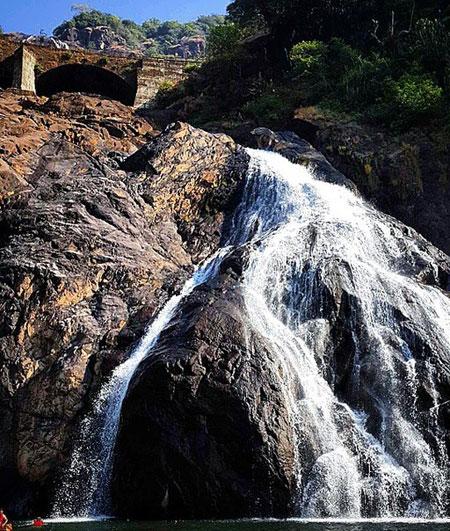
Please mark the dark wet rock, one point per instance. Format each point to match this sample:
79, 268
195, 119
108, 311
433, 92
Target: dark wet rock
207, 428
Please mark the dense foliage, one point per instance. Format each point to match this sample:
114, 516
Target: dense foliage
223, 40
385, 61
169, 33
159, 36
401, 86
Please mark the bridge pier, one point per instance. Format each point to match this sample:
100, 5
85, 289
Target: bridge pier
24, 77
154, 73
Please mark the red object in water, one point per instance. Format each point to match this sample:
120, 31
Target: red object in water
38, 522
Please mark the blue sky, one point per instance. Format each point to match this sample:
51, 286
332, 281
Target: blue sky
32, 16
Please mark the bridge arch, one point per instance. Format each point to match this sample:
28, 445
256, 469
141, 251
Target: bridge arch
76, 77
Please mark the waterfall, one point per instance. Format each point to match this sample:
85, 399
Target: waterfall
85, 487
315, 238
315, 249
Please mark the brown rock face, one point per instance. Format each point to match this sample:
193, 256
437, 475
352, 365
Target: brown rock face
101, 221
202, 162
96, 125
207, 419
88, 254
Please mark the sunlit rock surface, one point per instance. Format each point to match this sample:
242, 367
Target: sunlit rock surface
88, 255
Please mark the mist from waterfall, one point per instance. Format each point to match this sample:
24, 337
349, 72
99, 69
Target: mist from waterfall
361, 448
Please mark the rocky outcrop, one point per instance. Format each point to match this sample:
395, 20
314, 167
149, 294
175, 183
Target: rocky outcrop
207, 429
100, 38
202, 162
102, 220
189, 47
88, 254
97, 126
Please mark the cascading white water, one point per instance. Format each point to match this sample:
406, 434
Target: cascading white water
84, 491
314, 236
311, 237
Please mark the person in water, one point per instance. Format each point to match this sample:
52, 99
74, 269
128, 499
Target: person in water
3, 520
38, 522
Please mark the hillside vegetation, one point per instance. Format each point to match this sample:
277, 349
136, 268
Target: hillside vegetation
159, 37
382, 61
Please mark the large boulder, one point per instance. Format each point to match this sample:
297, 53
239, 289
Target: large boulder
207, 427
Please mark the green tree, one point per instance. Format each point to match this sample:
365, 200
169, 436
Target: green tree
150, 27
164, 35
223, 40
80, 8
205, 23
131, 32
90, 18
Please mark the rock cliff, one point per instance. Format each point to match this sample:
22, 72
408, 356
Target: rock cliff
88, 254
207, 429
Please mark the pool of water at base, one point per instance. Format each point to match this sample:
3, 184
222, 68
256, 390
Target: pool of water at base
243, 525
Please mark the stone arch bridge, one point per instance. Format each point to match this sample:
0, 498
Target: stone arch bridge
46, 71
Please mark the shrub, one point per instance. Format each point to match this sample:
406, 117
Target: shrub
166, 85
191, 68
168, 92
340, 57
267, 108
338, 73
364, 81
327, 69
308, 57
416, 97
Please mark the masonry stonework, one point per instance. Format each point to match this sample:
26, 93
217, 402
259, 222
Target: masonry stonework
154, 73
24, 70
22, 64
